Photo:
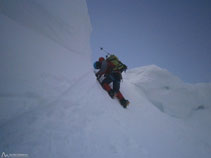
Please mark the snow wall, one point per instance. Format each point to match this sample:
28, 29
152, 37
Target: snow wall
44, 45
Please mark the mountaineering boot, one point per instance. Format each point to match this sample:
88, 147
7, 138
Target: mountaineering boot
111, 93
124, 102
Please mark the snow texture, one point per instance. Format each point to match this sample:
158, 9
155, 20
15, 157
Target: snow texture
52, 106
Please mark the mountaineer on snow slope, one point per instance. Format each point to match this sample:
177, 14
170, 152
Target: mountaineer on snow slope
110, 71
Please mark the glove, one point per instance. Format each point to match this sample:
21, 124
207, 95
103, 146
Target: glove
97, 76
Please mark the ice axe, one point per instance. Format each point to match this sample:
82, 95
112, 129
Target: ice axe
107, 53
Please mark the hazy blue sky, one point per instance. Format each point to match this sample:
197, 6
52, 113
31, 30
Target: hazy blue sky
173, 34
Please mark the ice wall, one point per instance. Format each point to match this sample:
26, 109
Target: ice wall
44, 47
65, 22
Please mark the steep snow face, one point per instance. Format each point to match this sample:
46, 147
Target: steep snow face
44, 46
168, 93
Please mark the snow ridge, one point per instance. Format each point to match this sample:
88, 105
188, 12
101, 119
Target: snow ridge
168, 93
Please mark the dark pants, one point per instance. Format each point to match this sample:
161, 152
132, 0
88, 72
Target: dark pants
115, 78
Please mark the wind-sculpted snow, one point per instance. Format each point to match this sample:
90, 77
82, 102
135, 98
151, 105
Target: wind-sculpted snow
168, 93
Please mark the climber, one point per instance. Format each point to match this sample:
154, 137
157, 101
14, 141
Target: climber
111, 68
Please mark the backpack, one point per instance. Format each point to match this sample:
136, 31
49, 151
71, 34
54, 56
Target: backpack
116, 64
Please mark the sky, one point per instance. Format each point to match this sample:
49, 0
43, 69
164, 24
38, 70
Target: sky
174, 35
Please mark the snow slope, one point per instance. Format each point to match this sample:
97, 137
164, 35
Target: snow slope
52, 106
